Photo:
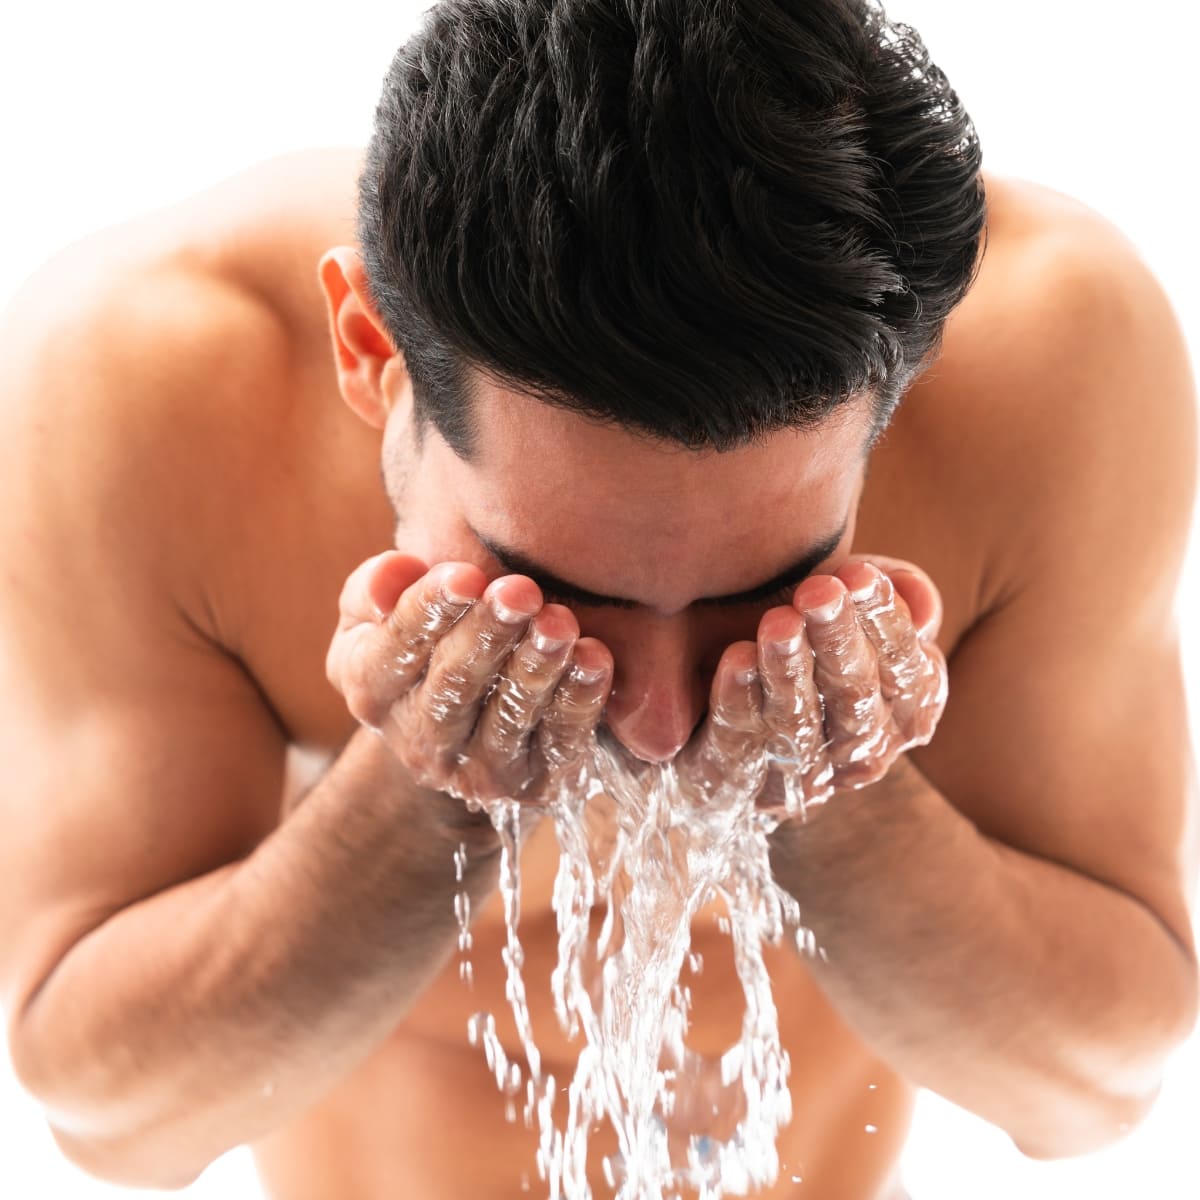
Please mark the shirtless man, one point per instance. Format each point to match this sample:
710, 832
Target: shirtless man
227, 907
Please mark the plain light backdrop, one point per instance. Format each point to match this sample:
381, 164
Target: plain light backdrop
111, 110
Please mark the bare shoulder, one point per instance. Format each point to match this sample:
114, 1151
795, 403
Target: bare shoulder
125, 373
183, 332
258, 232
1064, 388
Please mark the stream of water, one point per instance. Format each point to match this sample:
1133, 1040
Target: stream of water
652, 852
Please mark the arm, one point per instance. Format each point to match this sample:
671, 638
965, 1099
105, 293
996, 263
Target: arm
1041, 999
219, 1009
165, 950
1005, 915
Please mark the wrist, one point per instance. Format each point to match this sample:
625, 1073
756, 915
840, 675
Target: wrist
441, 821
854, 826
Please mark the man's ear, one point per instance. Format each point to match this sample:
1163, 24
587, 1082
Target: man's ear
365, 357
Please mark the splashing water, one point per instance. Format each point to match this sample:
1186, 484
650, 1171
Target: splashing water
681, 1119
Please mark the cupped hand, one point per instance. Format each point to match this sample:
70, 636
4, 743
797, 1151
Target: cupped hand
836, 687
479, 689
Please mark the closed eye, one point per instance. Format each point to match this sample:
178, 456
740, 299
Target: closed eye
781, 595
552, 597
771, 599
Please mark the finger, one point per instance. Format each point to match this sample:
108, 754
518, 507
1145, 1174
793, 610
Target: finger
422, 616
735, 698
465, 663
723, 754
354, 657
857, 720
568, 725
376, 662
365, 594
900, 660
792, 712
526, 687
912, 670
785, 661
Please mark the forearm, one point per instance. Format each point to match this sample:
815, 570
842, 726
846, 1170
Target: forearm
1040, 999
208, 1015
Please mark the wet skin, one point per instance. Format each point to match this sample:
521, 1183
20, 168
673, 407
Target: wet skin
480, 688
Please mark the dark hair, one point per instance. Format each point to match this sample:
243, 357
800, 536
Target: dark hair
701, 220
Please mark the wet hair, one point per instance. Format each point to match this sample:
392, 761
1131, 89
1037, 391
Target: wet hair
700, 221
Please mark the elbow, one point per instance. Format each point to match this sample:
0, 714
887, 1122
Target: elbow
123, 1166
123, 1161
1094, 1115
1120, 1085
109, 1136
1091, 1114
1084, 1128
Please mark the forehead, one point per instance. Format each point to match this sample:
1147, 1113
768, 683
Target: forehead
620, 514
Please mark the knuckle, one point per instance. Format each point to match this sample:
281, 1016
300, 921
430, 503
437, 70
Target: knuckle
856, 692
447, 688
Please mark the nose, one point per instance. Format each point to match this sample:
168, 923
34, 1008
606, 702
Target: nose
658, 692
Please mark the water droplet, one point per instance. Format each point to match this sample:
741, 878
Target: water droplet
871, 1128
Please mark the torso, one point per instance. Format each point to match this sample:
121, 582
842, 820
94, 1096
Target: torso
422, 1117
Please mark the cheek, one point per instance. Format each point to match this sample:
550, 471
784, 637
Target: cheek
436, 537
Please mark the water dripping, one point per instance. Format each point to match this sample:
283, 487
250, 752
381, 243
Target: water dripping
680, 1119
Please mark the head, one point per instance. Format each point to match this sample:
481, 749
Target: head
638, 287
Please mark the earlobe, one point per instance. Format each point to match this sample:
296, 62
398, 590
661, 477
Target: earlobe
362, 349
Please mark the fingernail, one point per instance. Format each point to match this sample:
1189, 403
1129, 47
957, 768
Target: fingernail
824, 613
510, 616
867, 590
454, 597
446, 587
547, 645
788, 646
588, 674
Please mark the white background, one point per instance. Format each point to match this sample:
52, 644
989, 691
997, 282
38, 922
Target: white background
109, 110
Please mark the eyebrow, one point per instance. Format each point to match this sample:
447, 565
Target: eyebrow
516, 563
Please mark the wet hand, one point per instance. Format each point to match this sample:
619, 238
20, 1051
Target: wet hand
479, 689
835, 688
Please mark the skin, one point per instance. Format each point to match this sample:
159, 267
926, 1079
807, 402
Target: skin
223, 498
796, 682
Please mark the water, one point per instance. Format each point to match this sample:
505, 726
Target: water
652, 852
